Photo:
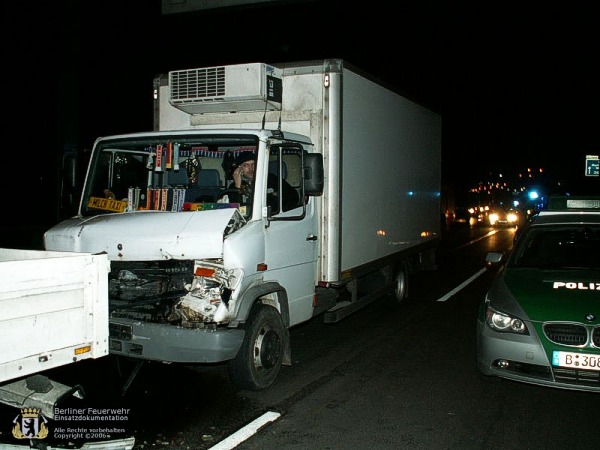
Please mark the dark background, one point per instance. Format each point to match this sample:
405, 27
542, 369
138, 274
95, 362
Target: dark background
516, 83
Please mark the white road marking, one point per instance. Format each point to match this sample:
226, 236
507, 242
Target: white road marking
244, 433
460, 286
487, 235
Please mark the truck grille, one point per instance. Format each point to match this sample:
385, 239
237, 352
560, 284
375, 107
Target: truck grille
197, 83
142, 282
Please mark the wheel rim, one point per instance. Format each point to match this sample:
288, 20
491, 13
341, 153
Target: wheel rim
267, 349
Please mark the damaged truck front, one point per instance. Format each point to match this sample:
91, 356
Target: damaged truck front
183, 256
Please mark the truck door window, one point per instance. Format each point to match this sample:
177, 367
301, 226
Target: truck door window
284, 179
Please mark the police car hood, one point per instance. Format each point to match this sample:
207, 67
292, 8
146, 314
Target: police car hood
543, 295
147, 235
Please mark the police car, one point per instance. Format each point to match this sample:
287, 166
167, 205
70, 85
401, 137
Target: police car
539, 322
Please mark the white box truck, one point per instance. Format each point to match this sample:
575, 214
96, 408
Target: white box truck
344, 204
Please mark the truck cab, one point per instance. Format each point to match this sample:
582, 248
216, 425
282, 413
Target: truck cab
183, 255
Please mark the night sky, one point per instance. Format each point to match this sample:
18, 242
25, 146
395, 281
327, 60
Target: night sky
516, 85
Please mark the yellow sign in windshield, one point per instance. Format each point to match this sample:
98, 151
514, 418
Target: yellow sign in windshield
107, 204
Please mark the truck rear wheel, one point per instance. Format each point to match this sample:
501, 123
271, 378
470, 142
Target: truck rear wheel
401, 284
260, 357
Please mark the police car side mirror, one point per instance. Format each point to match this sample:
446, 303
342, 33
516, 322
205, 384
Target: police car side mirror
494, 258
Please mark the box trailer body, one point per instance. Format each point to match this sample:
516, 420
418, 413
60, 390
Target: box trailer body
344, 204
53, 312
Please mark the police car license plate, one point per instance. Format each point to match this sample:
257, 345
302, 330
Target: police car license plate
576, 360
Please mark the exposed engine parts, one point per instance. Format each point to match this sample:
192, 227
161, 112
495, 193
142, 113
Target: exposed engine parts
184, 293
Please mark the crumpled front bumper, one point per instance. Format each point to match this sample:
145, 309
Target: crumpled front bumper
169, 343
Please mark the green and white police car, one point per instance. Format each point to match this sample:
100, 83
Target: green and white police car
540, 320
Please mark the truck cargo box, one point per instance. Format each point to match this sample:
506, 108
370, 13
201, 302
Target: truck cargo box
382, 150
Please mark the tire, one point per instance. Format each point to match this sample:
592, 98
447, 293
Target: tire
260, 357
401, 284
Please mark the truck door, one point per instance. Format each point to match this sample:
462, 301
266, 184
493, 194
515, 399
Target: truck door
291, 233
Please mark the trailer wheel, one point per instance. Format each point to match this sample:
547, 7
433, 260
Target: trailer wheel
401, 284
260, 357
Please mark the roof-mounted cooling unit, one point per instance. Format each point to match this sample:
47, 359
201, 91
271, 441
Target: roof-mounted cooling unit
241, 87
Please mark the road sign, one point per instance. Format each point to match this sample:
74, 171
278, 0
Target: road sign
592, 166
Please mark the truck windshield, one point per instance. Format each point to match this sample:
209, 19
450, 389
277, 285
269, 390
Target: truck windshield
165, 173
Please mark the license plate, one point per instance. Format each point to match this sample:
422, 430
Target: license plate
576, 360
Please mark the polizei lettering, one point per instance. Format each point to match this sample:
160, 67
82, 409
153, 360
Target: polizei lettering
584, 286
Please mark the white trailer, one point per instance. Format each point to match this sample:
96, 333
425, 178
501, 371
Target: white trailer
344, 205
53, 312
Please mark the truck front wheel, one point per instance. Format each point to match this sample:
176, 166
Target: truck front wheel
260, 357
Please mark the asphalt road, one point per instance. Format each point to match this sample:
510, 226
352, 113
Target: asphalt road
389, 376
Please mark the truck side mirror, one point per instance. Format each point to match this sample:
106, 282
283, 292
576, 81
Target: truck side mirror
313, 174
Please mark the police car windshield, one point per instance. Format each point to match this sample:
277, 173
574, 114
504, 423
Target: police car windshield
558, 247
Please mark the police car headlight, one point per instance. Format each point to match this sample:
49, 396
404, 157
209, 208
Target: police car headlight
504, 323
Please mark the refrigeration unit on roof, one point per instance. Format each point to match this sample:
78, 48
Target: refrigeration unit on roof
242, 87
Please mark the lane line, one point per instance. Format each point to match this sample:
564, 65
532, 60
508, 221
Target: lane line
460, 286
246, 432
472, 241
